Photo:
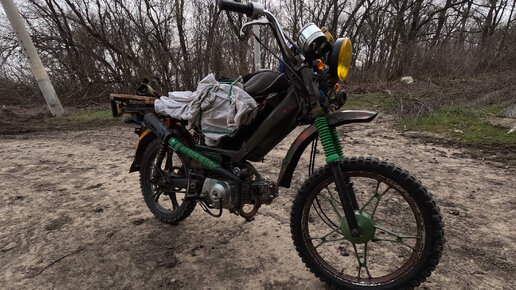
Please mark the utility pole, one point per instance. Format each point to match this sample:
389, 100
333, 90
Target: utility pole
256, 48
38, 70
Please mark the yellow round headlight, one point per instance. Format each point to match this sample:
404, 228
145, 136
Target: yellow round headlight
340, 58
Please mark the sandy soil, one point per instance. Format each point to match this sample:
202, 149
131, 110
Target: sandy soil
72, 217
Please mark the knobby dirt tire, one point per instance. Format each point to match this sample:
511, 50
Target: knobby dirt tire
184, 207
417, 197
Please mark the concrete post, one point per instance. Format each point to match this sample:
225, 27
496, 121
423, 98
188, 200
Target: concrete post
32, 56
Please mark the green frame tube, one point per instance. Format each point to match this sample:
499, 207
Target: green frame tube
180, 148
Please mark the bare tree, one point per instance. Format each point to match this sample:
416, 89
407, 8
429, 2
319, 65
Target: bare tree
92, 47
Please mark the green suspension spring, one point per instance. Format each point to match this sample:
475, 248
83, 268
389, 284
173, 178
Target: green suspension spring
336, 142
327, 140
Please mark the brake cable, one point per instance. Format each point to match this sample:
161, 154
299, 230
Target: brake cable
277, 57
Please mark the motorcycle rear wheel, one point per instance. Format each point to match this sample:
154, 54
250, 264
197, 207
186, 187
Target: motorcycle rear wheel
402, 238
167, 204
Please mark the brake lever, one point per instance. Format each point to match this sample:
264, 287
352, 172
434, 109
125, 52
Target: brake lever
260, 21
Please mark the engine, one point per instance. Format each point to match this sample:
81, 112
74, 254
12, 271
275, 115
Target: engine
262, 191
217, 192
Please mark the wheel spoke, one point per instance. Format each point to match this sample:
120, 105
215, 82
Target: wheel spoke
378, 196
156, 195
320, 212
324, 239
372, 197
168, 162
173, 198
331, 199
158, 171
399, 238
360, 263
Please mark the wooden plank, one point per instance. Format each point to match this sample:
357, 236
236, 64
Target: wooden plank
132, 99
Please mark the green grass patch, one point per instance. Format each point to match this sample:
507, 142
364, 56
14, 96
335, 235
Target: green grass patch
368, 102
85, 120
465, 123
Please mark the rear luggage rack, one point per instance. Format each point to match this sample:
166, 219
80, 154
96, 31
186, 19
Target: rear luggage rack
128, 104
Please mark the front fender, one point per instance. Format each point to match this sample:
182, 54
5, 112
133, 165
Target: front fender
299, 145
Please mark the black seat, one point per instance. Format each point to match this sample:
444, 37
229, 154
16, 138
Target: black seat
265, 82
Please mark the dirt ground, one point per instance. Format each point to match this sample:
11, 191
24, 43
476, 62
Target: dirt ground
73, 217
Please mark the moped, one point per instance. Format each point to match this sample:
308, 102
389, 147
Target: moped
357, 223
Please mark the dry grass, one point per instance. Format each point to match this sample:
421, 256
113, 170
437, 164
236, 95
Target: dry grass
426, 95
18, 119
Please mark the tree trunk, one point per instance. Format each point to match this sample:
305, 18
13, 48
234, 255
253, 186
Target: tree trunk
186, 65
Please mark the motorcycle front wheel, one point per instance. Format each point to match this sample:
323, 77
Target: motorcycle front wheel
166, 201
401, 236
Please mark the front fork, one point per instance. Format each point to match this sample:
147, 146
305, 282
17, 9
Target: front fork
333, 152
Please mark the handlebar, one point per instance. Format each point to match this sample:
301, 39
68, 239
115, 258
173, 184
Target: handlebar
245, 8
255, 10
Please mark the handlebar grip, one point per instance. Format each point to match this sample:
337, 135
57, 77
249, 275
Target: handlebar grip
157, 127
245, 8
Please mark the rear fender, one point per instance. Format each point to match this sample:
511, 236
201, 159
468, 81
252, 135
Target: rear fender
299, 145
148, 136
145, 139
